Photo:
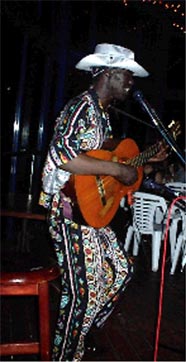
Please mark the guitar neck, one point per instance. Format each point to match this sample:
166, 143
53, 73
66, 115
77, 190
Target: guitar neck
144, 156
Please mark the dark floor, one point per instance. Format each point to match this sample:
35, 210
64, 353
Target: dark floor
129, 334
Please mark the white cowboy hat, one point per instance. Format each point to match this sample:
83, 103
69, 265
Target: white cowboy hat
112, 56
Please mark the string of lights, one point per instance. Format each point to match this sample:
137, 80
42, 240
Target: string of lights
176, 9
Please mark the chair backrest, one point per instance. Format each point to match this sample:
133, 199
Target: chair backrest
148, 210
179, 187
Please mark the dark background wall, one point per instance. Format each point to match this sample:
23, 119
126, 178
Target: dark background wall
41, 43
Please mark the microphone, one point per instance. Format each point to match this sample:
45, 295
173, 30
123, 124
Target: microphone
138, 96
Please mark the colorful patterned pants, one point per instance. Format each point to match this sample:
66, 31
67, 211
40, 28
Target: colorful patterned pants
95, 272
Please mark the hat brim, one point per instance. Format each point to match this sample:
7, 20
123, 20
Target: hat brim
95, 60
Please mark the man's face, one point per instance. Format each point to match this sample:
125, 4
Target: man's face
121, 81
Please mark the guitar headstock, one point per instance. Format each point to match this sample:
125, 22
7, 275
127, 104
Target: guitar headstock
175, 128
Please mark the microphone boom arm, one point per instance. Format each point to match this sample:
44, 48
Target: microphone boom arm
159, 125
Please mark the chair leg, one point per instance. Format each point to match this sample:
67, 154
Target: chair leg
128, 237
156, 243
183, 262
176, 253
172, 236
137, 239
44, 322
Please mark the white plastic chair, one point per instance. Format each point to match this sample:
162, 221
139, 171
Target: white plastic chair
177, 230
149, 213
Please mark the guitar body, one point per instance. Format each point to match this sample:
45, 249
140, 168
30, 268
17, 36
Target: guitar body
99, 207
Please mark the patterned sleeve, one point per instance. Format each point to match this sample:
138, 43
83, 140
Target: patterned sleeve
71, 123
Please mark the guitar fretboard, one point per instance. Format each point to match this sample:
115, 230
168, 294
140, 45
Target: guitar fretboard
144, 156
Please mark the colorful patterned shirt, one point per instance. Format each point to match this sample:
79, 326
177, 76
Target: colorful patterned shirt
83, 125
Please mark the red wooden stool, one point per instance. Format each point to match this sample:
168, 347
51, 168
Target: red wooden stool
31, 283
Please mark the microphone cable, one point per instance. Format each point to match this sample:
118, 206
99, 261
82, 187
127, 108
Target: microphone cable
163, 276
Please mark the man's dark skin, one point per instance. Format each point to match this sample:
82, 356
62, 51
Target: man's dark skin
112, 84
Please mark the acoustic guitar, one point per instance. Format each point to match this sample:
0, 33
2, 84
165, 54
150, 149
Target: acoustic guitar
99, 197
